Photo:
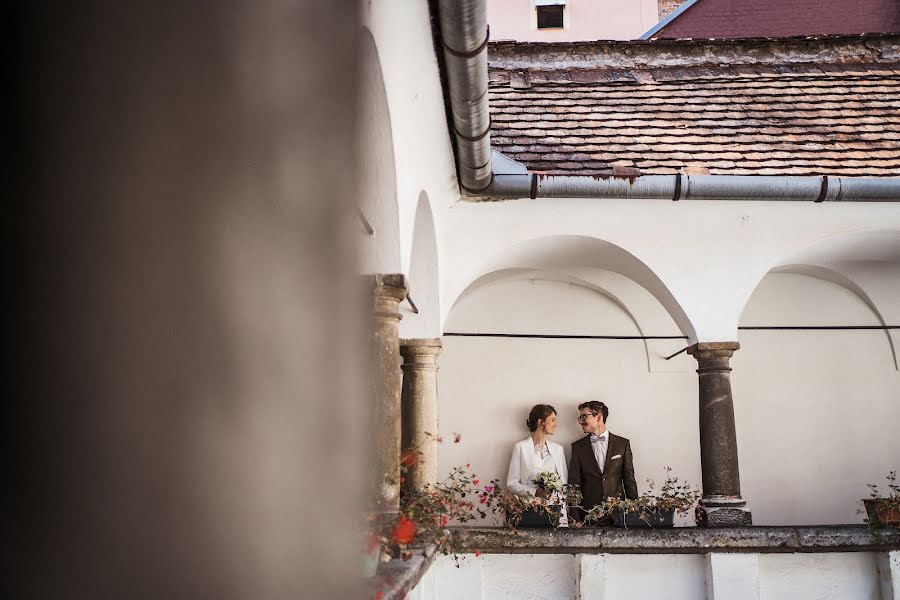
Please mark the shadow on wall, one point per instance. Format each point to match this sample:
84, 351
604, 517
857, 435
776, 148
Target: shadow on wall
424, 278
379, 252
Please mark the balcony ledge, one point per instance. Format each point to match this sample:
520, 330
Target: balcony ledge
680, 540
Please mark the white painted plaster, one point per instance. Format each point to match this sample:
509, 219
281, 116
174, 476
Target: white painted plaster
379, 253
424, 279
867, 264
793, 390
641, 576
809, 405
701, 260
777, 576
422, 151
585, 20
844, 575
592, 577
458, 578
732, 576
529, 576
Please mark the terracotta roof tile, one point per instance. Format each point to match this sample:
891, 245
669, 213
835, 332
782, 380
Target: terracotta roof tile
795, 118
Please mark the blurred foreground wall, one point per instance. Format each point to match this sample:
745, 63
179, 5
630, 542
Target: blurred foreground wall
186, 321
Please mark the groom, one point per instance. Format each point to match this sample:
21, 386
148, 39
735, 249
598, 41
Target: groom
601, 461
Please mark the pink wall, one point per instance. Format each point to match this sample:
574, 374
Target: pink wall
586, 20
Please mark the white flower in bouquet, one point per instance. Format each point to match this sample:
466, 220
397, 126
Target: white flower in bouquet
548, 480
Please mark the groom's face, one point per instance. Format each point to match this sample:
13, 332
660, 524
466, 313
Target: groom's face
588, 420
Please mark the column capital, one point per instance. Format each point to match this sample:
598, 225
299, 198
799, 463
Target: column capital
391, 285
713, 356
703, 350
420, 353
421, 345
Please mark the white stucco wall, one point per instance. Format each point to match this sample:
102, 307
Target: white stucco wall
708, 255
816, 411
423, 163
828, 576
845, 575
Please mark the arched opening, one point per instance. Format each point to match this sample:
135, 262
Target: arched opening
815, 380
424, 278
379, 212
579, 253
584, 319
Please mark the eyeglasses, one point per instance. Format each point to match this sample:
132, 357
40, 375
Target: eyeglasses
583, 418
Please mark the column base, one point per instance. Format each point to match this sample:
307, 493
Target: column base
724, 516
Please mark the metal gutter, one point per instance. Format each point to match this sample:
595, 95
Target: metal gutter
696, 187
669, 18
464, 34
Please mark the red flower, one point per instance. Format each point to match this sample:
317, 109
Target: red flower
404, 530
475, 482
483, 499
409, 459
444, 521
477, 553
457, 437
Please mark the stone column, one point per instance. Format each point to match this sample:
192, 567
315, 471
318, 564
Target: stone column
420, 411
384, 337
718, 441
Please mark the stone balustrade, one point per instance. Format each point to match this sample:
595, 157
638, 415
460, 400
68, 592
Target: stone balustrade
741, 563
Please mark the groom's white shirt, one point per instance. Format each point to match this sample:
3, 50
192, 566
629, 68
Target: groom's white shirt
517, 478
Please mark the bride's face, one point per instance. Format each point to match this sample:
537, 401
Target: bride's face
549, 424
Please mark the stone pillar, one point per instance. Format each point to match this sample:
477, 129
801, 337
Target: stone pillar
420, 411
384, 337
718, 441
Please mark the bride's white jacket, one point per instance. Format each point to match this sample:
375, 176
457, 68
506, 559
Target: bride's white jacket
518, 479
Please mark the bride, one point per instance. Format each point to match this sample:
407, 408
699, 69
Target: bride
537, 454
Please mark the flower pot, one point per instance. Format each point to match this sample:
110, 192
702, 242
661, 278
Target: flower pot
540, 518
880, 513
646, 519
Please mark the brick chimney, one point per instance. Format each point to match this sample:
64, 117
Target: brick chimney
667, 6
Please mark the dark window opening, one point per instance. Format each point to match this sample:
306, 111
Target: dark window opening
550, 17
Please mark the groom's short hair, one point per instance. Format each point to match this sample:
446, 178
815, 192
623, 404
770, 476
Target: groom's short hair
596, 407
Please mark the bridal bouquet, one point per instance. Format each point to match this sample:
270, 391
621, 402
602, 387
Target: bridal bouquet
548, 480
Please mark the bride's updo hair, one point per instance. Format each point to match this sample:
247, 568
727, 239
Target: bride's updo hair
539, 412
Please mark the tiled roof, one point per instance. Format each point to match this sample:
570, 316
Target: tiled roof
780, 18
777, 115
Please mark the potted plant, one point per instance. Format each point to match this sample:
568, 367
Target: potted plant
425, 514
651, 509
883, 509
546, 511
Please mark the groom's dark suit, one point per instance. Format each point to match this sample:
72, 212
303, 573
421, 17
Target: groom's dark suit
617, 477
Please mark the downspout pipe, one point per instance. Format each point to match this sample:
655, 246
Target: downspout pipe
695, 187
464, 34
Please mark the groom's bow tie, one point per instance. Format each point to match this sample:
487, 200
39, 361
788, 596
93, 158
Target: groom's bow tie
598, 438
